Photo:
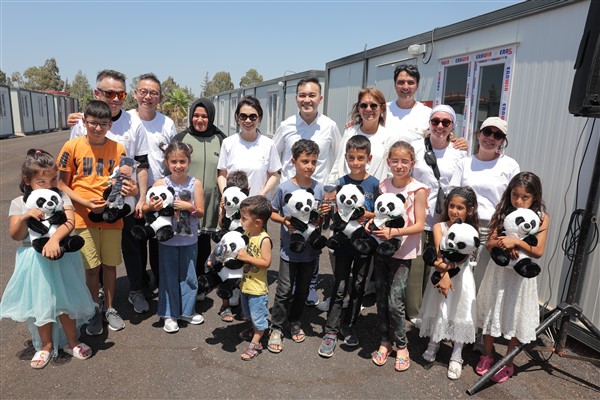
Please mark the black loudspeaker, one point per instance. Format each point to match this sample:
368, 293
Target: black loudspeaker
585, 94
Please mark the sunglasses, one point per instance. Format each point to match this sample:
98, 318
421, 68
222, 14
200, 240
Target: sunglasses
372, 106
487, 132
436, 121
113, 95
252, 117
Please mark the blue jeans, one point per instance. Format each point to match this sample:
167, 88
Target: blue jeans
255, 308
391, 276
178, 282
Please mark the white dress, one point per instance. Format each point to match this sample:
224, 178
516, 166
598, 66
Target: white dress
452, 318
507, 304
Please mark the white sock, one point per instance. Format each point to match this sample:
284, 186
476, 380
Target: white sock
433, 347
457, 351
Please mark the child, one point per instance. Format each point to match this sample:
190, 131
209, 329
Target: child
238, 179
391, 273
294, 268
42, 289
347, 259
502, 290
448, 311
85, 166
178, 285
255, 211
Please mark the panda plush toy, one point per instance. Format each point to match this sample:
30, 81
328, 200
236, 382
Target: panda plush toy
224, 270
232, 198
302, 207
116, 204
183, 226
456, 246
524, 224
158, 223
389, 213
350, 201
50, 202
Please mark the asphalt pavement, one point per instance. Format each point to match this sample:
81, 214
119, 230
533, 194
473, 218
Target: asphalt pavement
142, 361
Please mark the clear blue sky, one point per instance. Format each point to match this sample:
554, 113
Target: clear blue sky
187, 39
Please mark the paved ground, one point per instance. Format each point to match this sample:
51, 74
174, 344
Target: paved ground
142, 361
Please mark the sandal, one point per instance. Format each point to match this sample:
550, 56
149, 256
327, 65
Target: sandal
455, 369
379, 357
43, 356
252, 351
484, 365
226, 314
246, 334
504, 373
297, 333
82, 351
402, 363
275, 339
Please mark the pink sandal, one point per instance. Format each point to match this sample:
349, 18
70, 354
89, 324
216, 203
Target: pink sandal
484, 365
504, 373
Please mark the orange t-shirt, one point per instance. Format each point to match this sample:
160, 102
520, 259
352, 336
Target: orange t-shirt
90, 168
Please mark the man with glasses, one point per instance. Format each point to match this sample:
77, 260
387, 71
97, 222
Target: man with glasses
309, 124
128, 130
160, 130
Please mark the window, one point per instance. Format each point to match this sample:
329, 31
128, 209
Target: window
2, 105
232, 106
272, 110
477, 86
41, 102
222, 113
24, 106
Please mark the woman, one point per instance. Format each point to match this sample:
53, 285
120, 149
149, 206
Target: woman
205, 138
250, 151
368, 117
488, 172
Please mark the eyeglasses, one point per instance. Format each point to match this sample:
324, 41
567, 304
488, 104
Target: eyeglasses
497, 134
112, 95
395, 161
436, 121
372, 106
144, 93
252, 117
95, 124
402, 82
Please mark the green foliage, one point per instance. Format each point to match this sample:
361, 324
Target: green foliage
16, 80
46, 77
176, 104
252, 76
80, 89
3, 78
221, 82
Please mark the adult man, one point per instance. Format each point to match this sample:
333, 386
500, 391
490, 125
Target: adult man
128, 130
160, 130
308, 123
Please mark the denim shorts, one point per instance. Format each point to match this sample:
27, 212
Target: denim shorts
255, 308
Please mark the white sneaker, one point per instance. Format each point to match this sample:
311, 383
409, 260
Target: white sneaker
171, 325
324, 305
195, 319
235, 298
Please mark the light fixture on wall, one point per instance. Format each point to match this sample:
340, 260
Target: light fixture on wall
281, 83
417, 49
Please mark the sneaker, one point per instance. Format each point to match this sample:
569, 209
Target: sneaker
94, 327
195, 319
114, 320
504, 373
201, 296
312, 299
328, 345
350, 338
171, 325
484, 365
235, 298
138, 301
324, 305
455, 369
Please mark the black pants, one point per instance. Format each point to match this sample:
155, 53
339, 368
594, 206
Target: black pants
290, 274
135, 263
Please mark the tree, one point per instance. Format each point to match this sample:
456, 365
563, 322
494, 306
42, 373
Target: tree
16, 80
168, 85
176, 105
3, 78
46, 77
252, 76
81, 89
204, 85
221, 82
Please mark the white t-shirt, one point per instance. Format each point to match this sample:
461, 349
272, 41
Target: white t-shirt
488, 179
254, 158
323, 131
380, 144
127, 130
408, 124
159, 131
446, 160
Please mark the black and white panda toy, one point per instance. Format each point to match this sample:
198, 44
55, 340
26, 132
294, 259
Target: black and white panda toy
524, 224
232, 198
158, 223
350, 201
389, 213
222, 265
459, 242
302, 207
183, 227
50, 202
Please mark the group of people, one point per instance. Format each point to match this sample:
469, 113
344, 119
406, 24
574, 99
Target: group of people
400, 147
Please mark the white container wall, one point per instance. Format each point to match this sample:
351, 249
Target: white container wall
6, 115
